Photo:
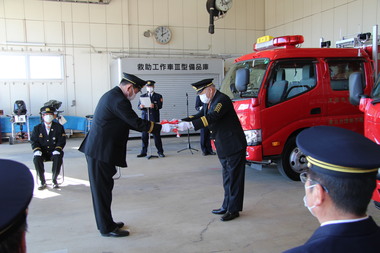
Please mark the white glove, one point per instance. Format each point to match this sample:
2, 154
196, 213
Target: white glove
37, 153
165, 128
183, 126
55, 152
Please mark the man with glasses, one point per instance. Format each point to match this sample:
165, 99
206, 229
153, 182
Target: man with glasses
105, 147
338, 188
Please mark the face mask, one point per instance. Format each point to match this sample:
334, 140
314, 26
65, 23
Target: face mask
150, 89
130, 98
310, 208
48, 118
204, 98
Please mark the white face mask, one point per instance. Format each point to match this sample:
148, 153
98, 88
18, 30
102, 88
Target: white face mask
149, 89
130, 98
48, 118
204, 98
310, 208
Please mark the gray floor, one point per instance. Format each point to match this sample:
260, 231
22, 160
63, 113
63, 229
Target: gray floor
166, 203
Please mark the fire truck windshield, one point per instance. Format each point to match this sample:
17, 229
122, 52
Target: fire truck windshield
257, 69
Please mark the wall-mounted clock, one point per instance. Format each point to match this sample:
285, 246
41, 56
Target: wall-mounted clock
163, 34
223, 5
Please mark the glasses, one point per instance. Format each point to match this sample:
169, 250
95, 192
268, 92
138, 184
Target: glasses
304, 176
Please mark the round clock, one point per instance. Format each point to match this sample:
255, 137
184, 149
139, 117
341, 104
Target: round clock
163, 34
223, 5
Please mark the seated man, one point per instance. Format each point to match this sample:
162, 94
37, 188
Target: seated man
338, 187
48, 140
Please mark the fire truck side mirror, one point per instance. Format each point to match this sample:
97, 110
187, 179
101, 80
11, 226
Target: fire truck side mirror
356, 87
242, 79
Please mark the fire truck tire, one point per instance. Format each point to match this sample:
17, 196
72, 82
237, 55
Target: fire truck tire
292, 161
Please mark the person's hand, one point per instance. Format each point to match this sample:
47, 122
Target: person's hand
166, 128
142, 106
151, 105
183, 126
186, 119
37, 153
55, 152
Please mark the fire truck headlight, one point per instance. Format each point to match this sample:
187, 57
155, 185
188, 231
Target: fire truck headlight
253, 137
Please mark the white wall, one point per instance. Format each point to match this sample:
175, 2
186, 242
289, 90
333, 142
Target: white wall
330, 19
90, 35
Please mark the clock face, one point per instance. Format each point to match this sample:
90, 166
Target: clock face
163, 34
223, 5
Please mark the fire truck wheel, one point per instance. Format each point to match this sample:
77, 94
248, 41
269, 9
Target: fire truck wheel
293, 161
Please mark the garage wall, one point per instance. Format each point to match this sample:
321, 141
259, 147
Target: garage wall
330, 19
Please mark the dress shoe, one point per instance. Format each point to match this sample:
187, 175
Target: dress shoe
117, 232
141, 155
120, 224
212, 153
161, 155
229, 216
55, 186
42, 187
219, 211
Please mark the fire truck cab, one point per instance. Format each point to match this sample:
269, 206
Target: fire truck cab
281, 89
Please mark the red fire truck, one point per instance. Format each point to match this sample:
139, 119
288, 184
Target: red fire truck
370, 105
281, 89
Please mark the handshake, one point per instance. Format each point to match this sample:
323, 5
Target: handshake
175, 126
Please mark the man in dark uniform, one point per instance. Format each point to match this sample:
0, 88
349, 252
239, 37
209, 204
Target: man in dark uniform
16, 192
338, 187
151, 113
48, 140
204, 132
220, 117
105, 147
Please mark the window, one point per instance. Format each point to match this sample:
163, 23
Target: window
289, 79
31, 67
341, 70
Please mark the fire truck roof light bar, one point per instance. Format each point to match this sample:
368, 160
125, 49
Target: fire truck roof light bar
268, 42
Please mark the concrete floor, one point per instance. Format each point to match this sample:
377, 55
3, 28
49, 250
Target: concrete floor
166, 204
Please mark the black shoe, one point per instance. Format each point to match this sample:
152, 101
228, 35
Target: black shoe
55, 186
141, 155
120, 224
229, 216
42, 187
219, 211
161, 155
117, 232
212, 153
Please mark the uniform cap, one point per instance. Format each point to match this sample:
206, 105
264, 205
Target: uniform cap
201, 85
134, 80
16, 192
338, 151
150, 83
47, 109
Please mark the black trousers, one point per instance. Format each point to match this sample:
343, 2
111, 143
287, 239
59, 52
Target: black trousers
233, 181
205, 140
101, 184
157, 142
56, 167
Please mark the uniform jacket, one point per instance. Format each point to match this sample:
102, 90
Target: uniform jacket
56, 140
154, 113
220, 117
113, 118
355, 237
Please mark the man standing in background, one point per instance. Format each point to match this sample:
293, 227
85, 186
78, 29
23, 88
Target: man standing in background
151, 113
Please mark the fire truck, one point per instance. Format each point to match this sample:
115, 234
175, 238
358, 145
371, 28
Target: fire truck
370, 105
281, 89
